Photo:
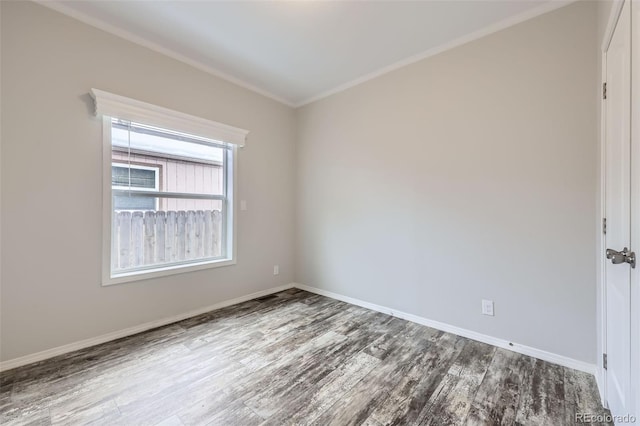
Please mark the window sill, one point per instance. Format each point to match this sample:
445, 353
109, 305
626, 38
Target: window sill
165, 271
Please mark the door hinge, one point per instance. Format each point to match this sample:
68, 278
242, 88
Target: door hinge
604, 225
604, 90
604, 361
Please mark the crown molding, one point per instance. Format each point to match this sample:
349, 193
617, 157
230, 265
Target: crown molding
119, 32
493, 28
124, 34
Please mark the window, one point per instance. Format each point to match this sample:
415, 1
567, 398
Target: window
169, 190
136, 178
179, 221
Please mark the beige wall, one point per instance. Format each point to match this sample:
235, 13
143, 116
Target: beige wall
51, 209
466, 176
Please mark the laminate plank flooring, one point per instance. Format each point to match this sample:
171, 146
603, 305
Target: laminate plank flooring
295, 358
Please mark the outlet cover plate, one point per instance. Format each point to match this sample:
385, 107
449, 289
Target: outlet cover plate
487, 307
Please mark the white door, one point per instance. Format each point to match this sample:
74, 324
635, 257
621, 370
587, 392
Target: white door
618, 214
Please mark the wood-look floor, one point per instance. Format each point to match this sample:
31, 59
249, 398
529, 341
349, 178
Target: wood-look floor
295, 358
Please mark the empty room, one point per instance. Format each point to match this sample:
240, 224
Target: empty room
319, 212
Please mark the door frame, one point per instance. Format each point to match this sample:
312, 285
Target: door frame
635, 204
601, 374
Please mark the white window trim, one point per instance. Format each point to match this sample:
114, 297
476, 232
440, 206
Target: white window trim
111, 105
172, 120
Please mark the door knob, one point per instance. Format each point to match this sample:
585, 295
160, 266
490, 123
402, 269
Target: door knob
624, 256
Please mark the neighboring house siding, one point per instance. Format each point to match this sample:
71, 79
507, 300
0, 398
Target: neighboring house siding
177, 176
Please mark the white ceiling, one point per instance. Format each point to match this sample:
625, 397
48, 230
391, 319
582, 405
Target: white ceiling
298, 51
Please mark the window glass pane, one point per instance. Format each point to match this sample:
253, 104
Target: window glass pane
131, 202
188, 166
171, 234
157, 219
134, 177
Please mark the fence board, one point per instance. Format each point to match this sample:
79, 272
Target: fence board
208, 233
123, 239
199, 233
149, 237
137, 239
161, 226
181, 240
170, 249
217, 229
191, 235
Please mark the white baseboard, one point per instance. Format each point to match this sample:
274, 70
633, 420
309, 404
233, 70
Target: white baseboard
501, 343
82, 344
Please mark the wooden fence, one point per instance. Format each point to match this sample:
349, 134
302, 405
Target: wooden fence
156, 237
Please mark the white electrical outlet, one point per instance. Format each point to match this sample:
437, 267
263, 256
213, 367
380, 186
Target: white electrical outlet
276, 269
487, 307
243, 205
